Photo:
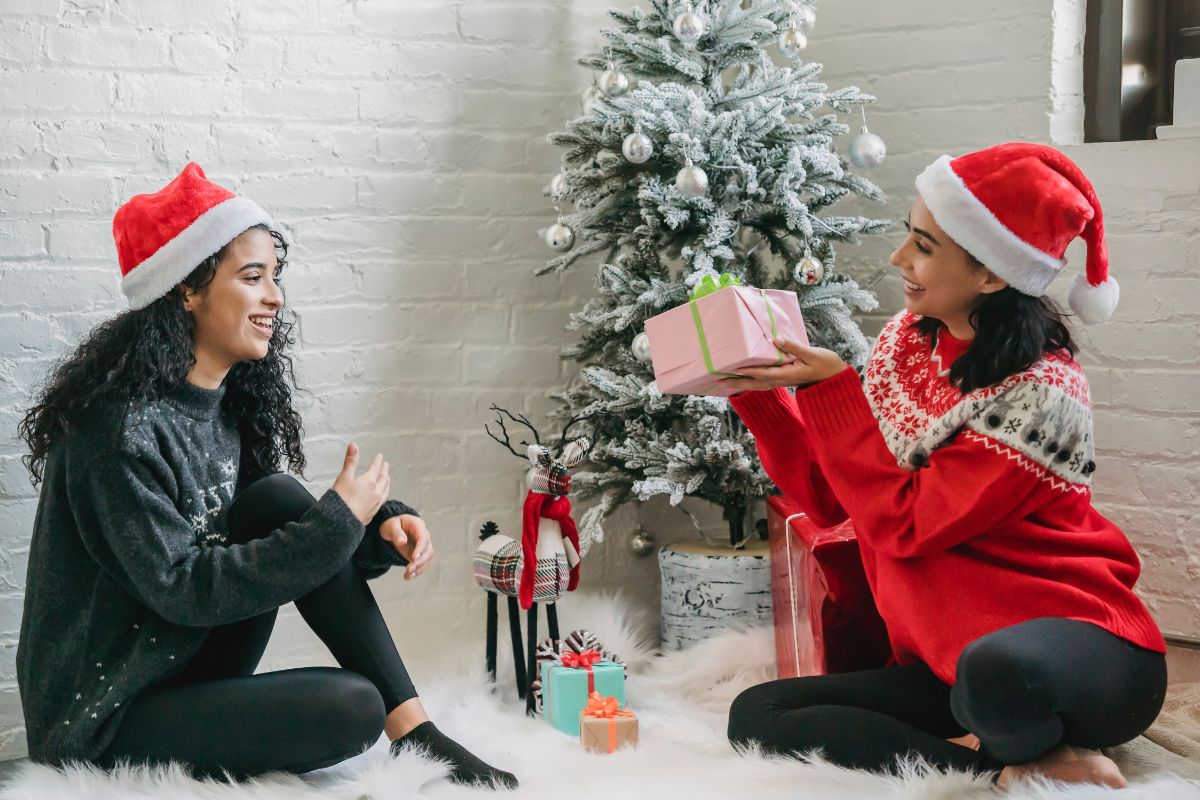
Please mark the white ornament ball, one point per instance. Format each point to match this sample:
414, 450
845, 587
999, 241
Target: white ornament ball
791, 42
589, 97
641, 348
692, 181
689, 27
558, 185
613, 82
809, 271
637, 147
559, 237
867, 150
806, 18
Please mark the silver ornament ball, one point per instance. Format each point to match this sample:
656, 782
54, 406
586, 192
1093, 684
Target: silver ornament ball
867, 150
806, 18
674, 250
641, 544
791, 42
641, 348
613, 82
692, 181
689, 27
558, 185
559, 237
808, 271
637, 148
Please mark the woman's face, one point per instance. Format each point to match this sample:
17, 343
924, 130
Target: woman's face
941, 280
234, 315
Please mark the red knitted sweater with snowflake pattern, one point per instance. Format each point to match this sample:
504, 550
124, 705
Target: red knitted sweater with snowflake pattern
973, 510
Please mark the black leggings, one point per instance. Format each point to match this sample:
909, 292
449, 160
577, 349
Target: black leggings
217, 715
1022, 690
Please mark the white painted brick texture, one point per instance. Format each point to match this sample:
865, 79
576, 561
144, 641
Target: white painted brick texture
401, 146
400, 143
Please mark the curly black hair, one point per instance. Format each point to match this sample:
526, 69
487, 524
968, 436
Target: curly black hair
1012, 331
140, 355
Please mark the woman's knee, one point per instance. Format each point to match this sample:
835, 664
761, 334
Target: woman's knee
360, 706
996, 682
748, 712
266, 505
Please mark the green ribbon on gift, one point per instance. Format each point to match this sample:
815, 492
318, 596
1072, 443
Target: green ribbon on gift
707, 286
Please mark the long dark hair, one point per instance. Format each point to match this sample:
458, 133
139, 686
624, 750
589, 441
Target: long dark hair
140, 355
1012, 331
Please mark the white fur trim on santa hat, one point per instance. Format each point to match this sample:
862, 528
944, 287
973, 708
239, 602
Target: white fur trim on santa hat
977, 230
175, 260
1093, 304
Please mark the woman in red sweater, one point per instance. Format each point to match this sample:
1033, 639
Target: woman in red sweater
964, 458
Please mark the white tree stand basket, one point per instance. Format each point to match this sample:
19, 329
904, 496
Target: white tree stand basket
708, 588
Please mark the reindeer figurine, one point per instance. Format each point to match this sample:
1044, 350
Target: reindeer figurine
545, 563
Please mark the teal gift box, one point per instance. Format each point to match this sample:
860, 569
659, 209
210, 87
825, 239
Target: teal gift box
566, 691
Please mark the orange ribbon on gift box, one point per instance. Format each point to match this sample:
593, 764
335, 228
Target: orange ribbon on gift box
606, 708
583, 660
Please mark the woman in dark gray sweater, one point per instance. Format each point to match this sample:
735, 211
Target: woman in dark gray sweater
166, 538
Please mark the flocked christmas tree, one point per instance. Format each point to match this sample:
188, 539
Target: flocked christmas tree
706, 146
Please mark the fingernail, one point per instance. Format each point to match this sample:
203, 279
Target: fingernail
780, 342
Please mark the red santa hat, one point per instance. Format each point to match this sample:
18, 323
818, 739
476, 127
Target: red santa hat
1015, 207
162, 237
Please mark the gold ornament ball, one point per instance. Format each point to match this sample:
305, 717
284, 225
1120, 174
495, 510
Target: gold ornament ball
559, 237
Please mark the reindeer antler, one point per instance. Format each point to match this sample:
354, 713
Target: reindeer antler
522, 419
563, 441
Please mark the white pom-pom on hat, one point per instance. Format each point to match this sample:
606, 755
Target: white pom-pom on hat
1093, 304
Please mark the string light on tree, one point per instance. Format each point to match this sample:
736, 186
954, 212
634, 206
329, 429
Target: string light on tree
866, 149
637, 147
641, 347
689, 27
692, 180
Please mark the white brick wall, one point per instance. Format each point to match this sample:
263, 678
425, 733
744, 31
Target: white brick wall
401, 144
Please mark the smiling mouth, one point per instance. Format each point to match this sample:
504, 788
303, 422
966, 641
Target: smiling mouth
912, 286
263, 324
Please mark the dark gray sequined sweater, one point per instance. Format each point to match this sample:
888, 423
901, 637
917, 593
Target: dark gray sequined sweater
129, 567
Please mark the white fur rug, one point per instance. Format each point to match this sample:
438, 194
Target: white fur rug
681, 700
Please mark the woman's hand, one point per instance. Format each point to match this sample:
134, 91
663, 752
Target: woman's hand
812, 364
365, 493
410, 537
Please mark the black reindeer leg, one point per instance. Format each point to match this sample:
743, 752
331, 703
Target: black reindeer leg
514, 629
552, 619
492, 621
531, 638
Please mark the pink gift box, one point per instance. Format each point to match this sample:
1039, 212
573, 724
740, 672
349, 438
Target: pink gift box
735, 324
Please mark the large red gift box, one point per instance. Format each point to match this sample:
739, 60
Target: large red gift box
825, 616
